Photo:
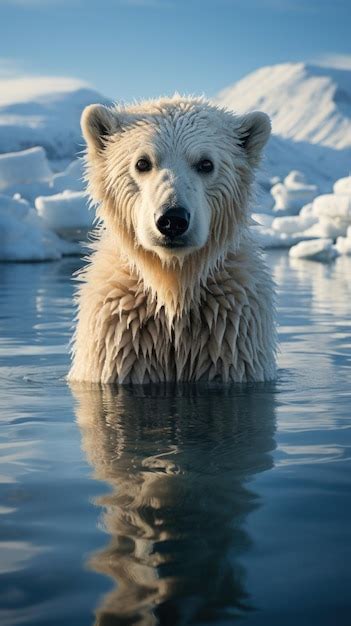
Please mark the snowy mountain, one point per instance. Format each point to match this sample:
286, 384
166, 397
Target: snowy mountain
310, 109
44, 112
305, 102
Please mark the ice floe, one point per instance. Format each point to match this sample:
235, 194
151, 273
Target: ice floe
65, 212
343, 186
26, 166
293, 193
318, 250
293, 224
70, 179
24, 235
326, 217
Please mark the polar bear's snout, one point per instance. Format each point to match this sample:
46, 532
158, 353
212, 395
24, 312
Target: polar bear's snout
172, 222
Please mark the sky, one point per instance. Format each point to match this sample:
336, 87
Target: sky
130, 49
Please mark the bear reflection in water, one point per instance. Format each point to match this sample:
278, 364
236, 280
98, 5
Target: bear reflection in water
179, 462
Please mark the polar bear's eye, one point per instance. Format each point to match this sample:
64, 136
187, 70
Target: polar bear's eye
205, 166
143, 165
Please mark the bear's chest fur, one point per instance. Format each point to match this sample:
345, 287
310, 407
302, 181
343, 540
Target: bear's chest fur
140, 345
125, 336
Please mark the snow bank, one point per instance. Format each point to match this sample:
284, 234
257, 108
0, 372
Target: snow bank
317, 250
25, 237
293, 193
65, 212
27, 166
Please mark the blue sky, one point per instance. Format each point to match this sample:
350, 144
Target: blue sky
138, 48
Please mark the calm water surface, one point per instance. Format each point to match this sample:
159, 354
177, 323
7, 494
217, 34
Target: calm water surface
189, 505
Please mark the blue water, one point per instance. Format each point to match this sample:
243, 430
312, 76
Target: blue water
188, 505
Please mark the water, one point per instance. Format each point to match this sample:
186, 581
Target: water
180, 505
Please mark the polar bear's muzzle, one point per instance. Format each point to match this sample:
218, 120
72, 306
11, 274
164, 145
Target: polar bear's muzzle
172, 222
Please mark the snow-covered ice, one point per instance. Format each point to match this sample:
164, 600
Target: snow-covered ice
31, 234
24, 235
343, 245
65, 212
28, 173
316, 250
332, 205
328, 216
327, 227
263, 219
24, 167
291, 195
307, 210
270, 238
343, 186
70, 179
295, 224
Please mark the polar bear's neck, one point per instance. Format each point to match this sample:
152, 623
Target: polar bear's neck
175, 286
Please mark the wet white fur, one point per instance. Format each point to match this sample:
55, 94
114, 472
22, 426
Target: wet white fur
151, 314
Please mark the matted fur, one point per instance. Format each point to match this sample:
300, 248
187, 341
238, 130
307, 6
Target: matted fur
147, 314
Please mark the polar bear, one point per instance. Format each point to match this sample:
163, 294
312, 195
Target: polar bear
175, 288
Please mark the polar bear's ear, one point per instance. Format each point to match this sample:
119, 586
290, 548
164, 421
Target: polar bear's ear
97, 123
254, 131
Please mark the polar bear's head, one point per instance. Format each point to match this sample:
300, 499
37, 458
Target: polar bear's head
173, 175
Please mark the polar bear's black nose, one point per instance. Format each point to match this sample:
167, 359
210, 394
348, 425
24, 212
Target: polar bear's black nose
173, 222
